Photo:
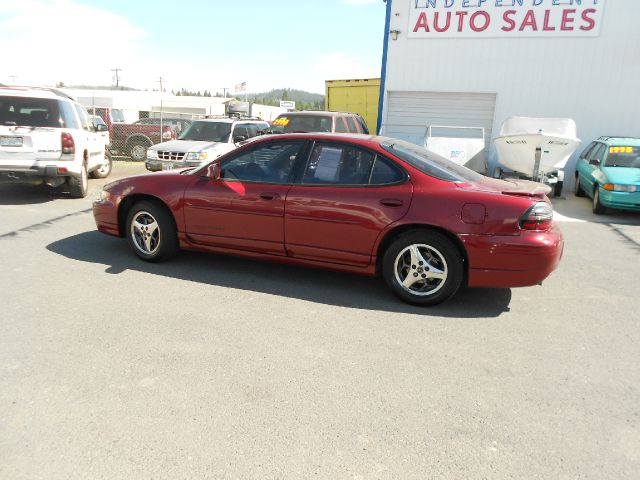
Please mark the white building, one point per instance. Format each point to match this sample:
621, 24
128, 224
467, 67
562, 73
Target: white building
477, 62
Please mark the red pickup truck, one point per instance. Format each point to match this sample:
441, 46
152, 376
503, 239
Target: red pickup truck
133, 139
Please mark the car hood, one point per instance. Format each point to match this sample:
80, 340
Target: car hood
622, 175
185, 146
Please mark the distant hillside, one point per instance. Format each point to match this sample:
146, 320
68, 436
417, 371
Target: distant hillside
304, 100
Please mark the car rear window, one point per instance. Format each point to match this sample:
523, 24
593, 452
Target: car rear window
430, 163
30, 112
301, 123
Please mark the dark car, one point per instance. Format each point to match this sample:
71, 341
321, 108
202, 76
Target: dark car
352, 203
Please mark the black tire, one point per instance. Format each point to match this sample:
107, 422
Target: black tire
153, 236
557, 188
105, 170
137, 150
79, 186
597, 207
577, 189
443, 261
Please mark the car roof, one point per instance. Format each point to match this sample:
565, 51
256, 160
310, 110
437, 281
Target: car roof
619, 140
316, 113
327, 136
34, 92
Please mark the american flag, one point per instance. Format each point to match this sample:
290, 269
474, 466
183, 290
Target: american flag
241, 87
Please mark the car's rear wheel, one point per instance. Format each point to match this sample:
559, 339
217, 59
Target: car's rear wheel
105, 169
423, 267
577, 190
597, 206
138, 150
79, 186
151, 232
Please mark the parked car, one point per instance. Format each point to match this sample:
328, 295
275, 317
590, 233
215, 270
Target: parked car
608, 172
338, 122
133, 139
47, 137
359, 204
203, 140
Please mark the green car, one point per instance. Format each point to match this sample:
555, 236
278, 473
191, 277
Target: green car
608, 171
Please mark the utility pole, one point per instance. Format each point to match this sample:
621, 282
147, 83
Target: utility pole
117, 71
161, 81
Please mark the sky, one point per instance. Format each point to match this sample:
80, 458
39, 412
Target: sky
192, 44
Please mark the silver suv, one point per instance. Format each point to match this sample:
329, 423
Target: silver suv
48, 137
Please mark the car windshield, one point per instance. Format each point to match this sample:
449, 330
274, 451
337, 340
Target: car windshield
117, 115
430, 163
623, 156
207, 132
29, 112
301, 123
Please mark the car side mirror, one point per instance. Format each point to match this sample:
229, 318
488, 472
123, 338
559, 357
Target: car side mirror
212, 172
239, 138
101, 127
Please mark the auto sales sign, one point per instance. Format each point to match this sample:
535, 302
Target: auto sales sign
504, 18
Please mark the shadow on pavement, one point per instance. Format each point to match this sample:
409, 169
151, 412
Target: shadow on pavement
313, 285
579, 208
29, 194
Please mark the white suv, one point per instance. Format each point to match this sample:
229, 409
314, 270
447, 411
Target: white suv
202, 141
47, 137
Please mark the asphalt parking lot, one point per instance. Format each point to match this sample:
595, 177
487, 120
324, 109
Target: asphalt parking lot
223, 368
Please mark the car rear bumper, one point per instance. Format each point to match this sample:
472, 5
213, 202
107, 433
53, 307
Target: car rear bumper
512, 261
34, 174
620, 200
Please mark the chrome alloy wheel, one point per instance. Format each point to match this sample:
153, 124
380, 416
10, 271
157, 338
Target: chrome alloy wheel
421, 270
145, 232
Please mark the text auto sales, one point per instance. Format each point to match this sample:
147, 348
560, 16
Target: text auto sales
505, 16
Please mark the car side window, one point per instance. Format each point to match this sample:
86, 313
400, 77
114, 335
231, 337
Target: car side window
68, 116
363, 125
352, 125
587, 151
332, 164
385, 172
266, 163
597, 153
85, 123
341, 126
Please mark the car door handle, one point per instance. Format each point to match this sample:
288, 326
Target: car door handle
391, 202
269, 196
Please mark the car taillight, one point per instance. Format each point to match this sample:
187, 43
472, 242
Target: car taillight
68, 145
538, 217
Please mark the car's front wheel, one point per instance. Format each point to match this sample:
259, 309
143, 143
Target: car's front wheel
579, 192
151, 232
597, 205
423, 267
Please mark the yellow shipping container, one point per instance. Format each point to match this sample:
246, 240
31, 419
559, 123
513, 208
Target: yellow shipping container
357, 96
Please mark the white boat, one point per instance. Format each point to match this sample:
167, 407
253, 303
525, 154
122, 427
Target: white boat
537, 148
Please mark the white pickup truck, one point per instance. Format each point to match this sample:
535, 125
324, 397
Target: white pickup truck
202, 141
48, 137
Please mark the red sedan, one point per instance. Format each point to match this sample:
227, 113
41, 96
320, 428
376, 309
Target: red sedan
354, 203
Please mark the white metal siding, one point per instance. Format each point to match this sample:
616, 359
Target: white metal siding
592, 80
409, 113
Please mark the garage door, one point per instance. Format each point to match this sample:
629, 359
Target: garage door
408, 113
